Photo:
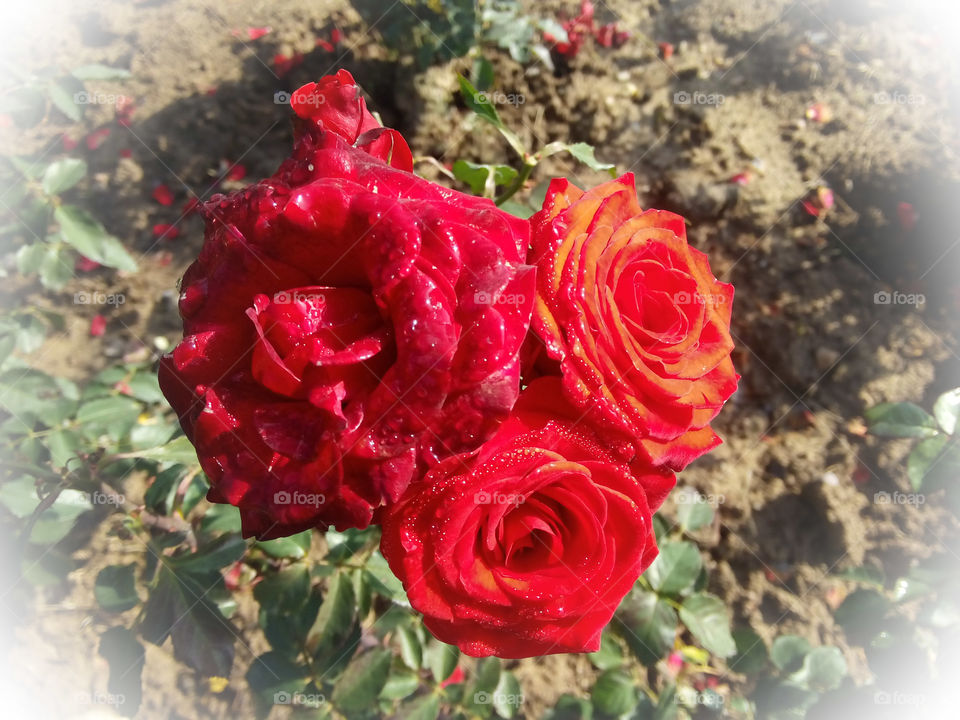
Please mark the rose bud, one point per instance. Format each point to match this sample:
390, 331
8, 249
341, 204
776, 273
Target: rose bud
527, 546
634, 318
345, 325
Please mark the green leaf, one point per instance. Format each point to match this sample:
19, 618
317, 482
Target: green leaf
613, 693
30, 257
362, 681
410, 649
507, 696
62, 175
675, 569
180, 606
650, 625
862, 614
693, 511
401, 683
100, 72
518, 209
179, 451
441, 659
479, 102
382, 580
335, 633
483, 179
56, 268
477, 694
64, 445
610, 654
68, 95
947, 411
145, 387
160, 495
224, 551
667, 708
294, 547
56, 521
126, 657
482, 73
570, 707
115, 588
751, 654
706, 617
584, 153
275, 679
219, 519
31, 331
84, 233
110, 416
788, 651
901, 420
425, 707
922, 458
823, 669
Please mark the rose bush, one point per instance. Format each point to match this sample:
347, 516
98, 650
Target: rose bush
633, 320
342, 325
527, 546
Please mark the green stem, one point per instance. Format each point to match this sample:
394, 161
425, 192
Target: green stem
520, 180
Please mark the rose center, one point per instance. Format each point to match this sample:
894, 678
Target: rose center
312, 339
658, 304
530, 536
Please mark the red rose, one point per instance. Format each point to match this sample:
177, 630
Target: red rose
344, 325
526, 547
634, 318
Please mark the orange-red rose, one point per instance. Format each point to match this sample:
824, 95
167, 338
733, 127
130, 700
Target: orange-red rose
634, 318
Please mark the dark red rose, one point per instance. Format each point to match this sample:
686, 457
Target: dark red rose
632, 316
527, 546
344, 326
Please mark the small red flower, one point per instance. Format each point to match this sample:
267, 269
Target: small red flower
85, 264
284, 64
236, 172
165, 231
98, 325
907, 215
455, 677
126, 153
163, 195
97, 138
69, 143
